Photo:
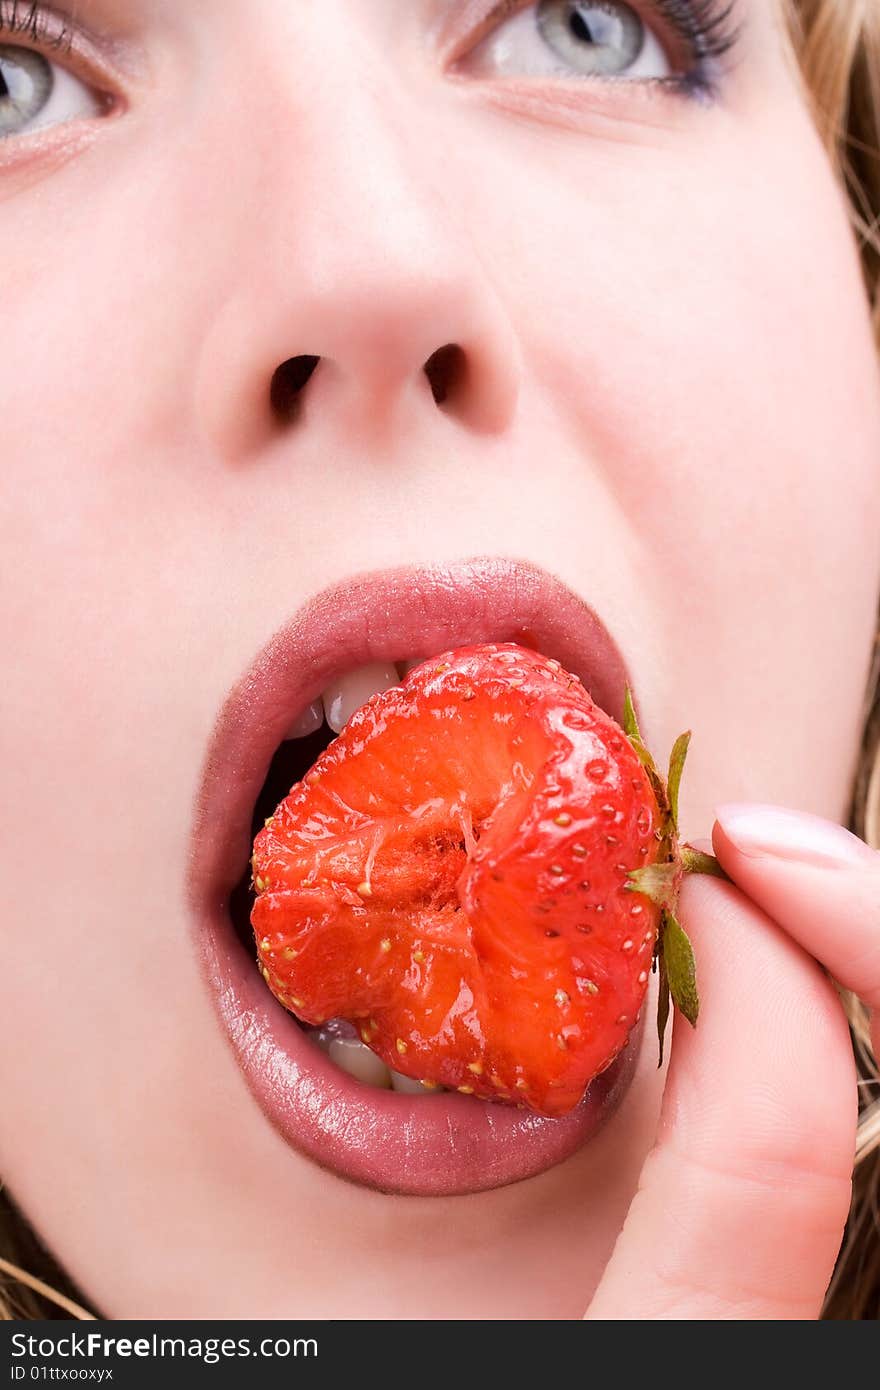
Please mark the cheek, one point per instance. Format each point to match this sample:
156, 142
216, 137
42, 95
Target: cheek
704, 332
105, 488
704, 341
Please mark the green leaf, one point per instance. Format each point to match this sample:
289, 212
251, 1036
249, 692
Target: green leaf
630, 723
662, 1007
678, 957
656, 881
631, 729
645, 759
676, 767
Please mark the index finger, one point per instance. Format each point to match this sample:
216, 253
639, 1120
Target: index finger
818, 881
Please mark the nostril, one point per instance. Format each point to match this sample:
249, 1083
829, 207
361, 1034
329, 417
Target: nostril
446, 369
287, 384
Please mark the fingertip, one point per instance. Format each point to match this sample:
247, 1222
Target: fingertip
723, 847
761, 830
818, 883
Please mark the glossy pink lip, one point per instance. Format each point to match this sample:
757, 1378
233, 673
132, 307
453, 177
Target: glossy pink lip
432, 1145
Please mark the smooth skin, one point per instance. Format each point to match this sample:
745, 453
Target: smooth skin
672, 402
742, 1201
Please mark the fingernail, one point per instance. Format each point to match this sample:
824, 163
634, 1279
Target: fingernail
758, 829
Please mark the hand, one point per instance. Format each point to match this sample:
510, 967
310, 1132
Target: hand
742, 1202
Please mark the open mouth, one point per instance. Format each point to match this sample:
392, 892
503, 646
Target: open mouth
327, 1093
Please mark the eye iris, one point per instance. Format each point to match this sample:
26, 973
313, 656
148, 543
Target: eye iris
613, 32
25, 87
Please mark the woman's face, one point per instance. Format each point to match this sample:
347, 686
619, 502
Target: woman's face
666, 395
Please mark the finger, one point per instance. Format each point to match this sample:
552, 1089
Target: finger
819, 882
742, 1202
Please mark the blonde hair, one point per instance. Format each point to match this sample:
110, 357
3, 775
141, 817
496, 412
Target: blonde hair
836, 44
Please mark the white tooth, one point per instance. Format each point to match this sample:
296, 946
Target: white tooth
347, 694
399, 1082
306, 723
352, 1056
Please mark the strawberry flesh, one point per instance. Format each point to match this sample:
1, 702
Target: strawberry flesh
450, 877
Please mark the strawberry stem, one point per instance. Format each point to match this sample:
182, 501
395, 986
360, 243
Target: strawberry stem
695, 861
661, 881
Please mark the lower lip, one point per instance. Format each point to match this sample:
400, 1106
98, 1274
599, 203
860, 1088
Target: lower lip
437, 1145
431, 1146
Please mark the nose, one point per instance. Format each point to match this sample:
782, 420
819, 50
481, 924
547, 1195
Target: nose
361, 305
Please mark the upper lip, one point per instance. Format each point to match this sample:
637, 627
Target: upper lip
387, 615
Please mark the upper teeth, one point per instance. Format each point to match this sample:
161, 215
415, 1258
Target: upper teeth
306, 723
347, 693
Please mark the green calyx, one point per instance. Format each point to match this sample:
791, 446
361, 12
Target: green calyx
661, 881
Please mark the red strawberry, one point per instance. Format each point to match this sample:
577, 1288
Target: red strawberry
454, 876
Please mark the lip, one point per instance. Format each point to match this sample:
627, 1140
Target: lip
442, 1144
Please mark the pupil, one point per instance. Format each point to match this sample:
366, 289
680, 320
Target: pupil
580, 27
4, 90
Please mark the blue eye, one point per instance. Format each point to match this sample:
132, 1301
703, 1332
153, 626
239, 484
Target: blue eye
600, 38
568, 38
35, 93
683, 47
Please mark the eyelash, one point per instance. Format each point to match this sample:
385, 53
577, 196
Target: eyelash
705, 26
27, 17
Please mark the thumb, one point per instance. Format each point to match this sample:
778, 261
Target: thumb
742, 1202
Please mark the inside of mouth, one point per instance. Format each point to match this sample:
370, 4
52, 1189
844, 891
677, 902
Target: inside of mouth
291, 762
